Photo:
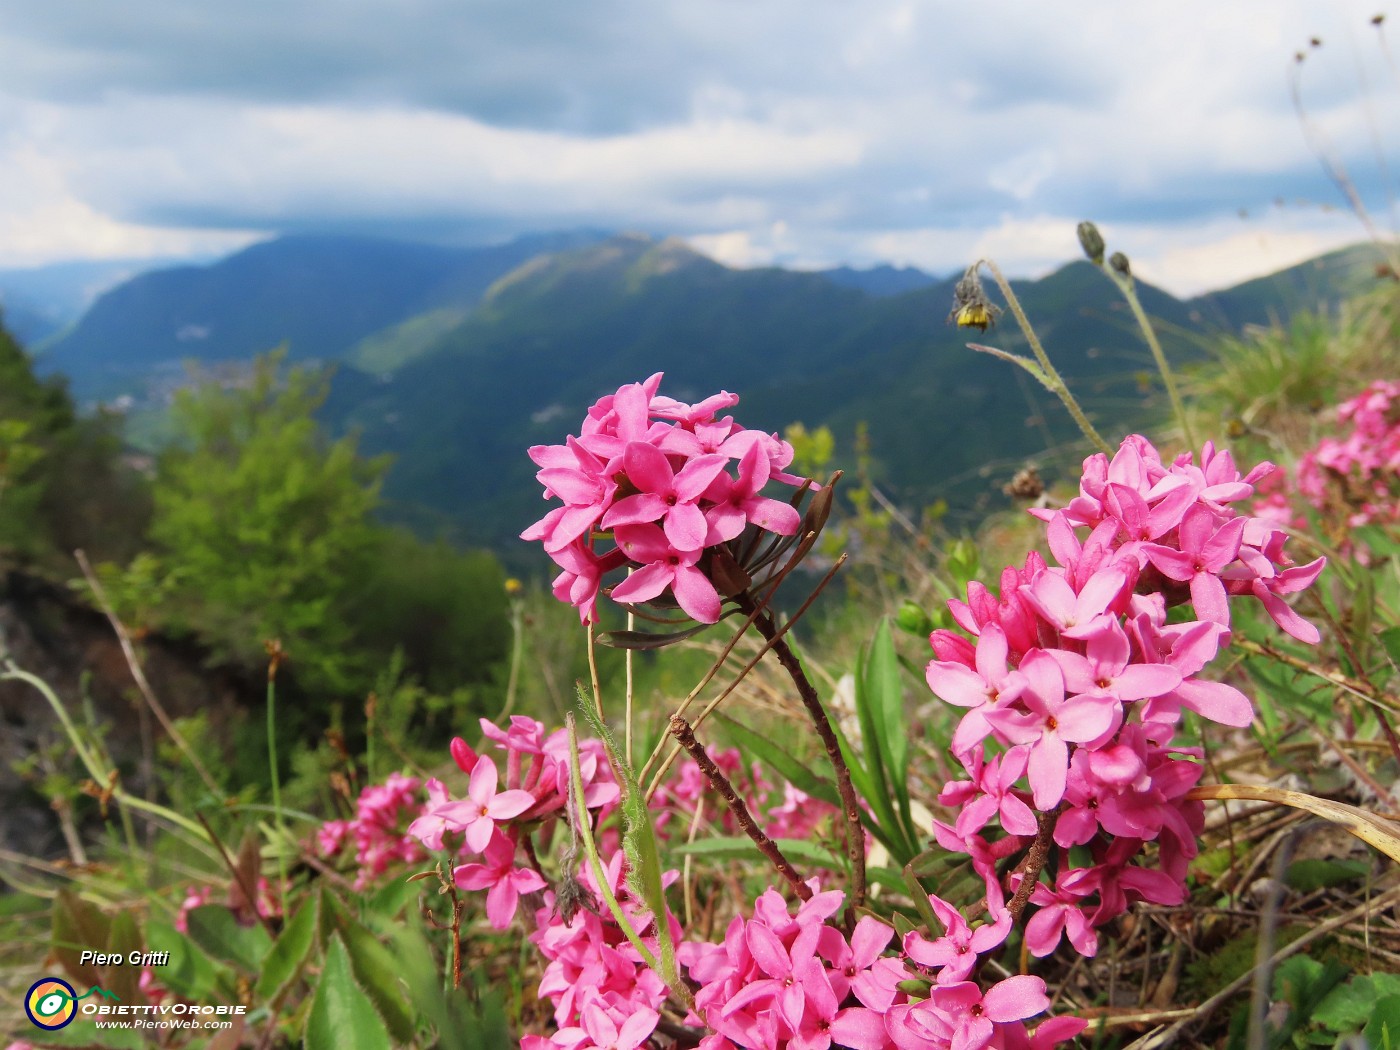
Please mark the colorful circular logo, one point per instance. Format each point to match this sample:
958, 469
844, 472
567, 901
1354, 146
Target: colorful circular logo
51, 1003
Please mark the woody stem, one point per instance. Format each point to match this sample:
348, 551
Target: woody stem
855, 836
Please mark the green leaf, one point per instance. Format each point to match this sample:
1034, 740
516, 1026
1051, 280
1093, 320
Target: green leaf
1390, 640
1383, 1031
644, 640
78, 926
741, 846
1025, 362
374, 968
390, 900
885, 696
877, 777
1316, 873
341, 1015
123, 939
791, 769
1347, 1007
882, 825
215, 929
188, 973
288, 954
85, 1033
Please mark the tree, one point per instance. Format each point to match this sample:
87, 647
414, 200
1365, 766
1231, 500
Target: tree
261, 522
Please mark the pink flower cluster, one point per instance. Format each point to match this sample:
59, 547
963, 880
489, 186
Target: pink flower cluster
491, 821
604, 995
793, 982
1356, 470
653, 472
377, 830
1076, 672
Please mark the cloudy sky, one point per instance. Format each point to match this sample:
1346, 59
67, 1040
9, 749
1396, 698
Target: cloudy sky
802, 132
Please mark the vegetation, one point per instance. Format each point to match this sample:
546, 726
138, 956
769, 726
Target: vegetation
316, 879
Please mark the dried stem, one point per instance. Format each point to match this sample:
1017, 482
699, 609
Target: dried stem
681, 730
139, 676
855, 836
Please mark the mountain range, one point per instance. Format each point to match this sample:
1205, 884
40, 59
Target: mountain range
456, 359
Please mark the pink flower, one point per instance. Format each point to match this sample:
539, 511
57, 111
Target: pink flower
1049, 723
990, 794
737, 503
992, 683
429, 829
1078, 615
505, 881
665, 495
664, 566
1059, 915
1107, 669
477, 814
956, 952
1205, 552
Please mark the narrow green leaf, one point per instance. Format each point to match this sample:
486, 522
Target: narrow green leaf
882, 824
215, 929
288, 954
1390, 641
870, 737
341, 1015
791, 769
639, 844
1025, 362
644, 640
741, 846
885, 688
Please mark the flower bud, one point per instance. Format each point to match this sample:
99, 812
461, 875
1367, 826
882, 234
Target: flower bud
1091, 241
912, 618
462, 754
1119, 262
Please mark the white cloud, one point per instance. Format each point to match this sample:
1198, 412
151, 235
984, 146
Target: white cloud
806, 132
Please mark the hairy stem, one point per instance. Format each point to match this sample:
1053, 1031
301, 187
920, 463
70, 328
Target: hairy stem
681, 730
855, 836
1129, 290
1057, 383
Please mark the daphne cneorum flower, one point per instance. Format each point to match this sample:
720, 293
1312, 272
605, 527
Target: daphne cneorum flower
971, 307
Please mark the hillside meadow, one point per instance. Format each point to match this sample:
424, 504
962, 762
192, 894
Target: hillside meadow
759, 744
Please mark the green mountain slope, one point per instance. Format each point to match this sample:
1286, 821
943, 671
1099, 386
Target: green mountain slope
455, 360
321, 295
551, 337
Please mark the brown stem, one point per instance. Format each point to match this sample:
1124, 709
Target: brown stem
855, 836
681, 730
528, 842
1034, 863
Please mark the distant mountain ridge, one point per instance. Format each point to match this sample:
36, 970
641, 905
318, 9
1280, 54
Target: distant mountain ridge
456, 360
321, 295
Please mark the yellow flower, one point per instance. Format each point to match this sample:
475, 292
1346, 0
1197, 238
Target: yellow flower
974, 315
